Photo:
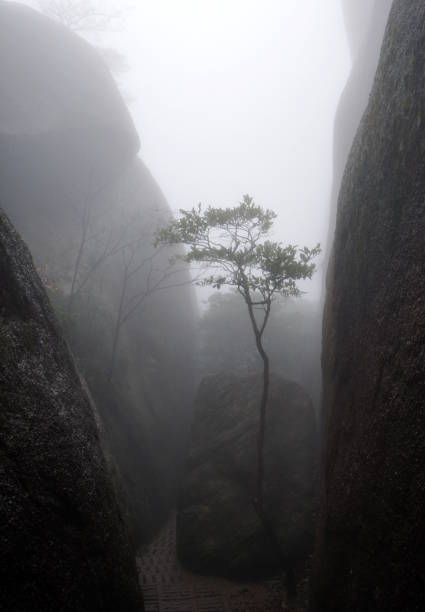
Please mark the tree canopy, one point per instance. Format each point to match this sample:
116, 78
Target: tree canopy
233, 243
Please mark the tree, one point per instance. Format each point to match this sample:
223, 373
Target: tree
113, 242
232, 243
98, 240
150, 278
90, 18
82, 16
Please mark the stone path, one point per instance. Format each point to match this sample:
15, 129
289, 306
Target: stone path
167, 587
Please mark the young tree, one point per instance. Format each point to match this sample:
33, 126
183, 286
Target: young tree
232, 243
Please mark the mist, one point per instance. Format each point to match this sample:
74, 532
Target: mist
244, 94
211, 305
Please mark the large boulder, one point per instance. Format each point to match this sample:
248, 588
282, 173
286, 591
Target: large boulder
57, 90
370, 553
65, 132
62, 539
68, 169
218, 529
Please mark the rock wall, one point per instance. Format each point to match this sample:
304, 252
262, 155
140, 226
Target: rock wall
63, 542
68, 165
370, 553
365, 23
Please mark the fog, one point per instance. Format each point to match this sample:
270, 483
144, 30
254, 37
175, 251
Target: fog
251, 448
211, 421
228, 98
235, 97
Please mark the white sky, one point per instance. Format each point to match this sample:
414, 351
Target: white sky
238, 96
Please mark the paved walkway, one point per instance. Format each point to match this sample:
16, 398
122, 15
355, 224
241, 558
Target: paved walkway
167, 587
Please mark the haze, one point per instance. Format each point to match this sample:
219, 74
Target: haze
195, 448
239, 97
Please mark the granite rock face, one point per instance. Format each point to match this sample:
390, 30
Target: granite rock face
218, 529
62, 539
370, 554
365, 22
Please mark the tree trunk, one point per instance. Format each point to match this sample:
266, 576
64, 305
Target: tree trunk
259, 500
262, 427
117, 329
85, 224
291, 585
76, 269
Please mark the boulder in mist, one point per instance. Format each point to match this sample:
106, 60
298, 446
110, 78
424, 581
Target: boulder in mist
63, 124
218, 529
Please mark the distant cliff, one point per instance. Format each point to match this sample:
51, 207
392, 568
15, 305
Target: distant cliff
63, 542
370, 554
